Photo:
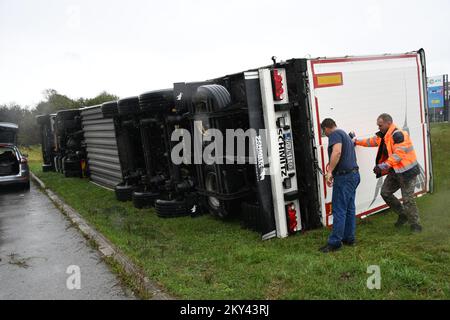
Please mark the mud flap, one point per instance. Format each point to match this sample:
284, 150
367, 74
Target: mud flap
263, 182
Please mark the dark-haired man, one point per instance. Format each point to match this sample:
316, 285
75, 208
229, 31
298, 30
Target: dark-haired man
343, 175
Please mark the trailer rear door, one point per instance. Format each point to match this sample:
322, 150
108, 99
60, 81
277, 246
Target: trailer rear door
354, 91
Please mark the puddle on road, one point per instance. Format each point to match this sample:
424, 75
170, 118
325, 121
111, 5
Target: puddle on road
16, 260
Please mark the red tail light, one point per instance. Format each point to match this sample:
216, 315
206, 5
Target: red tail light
292, 217
24, 160
277, 81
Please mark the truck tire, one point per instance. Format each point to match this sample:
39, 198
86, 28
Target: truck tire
110, 109
171, 208
128, 105
43, 119
67, 114
124, 192
160, 101
142, 199
72, 164
212, 93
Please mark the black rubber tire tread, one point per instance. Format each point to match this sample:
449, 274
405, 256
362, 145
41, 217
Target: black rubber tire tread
72, 165
157, 101
142, 199
110, 109
124, 192
218, 94
67, 114
222, 95
128, 105
171, 208
43, 119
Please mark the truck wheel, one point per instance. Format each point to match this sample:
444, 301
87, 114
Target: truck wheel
47, 167
157, 101
142, 199
67, 114
110, 109
212, 93
124, 192
72, 164
43, 119
171, 208
128, 105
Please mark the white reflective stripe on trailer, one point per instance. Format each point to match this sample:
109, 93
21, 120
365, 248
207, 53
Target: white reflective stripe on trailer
365, 88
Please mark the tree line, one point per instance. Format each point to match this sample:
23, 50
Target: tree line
53, 102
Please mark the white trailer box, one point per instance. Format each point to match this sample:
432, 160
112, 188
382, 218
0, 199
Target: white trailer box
354, 91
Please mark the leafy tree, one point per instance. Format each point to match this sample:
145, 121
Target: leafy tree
55, 102
99, 99
25, 119
52, 103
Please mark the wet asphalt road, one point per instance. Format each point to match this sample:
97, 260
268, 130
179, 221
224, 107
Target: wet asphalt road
38, 245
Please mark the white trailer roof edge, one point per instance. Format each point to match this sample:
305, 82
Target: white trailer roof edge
375, 56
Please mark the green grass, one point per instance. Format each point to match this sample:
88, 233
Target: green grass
203, 258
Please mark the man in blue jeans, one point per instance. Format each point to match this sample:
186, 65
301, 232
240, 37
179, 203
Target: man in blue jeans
343, 175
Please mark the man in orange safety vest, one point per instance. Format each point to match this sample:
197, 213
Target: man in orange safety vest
396, 158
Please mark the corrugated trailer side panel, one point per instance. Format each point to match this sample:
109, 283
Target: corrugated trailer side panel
101, 146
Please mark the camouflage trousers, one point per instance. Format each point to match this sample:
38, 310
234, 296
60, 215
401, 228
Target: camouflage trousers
394, 182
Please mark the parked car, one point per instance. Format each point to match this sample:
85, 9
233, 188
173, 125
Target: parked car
13, 164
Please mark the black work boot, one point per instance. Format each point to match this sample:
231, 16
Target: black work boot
328, 248
402, 219
349, 243
415, 227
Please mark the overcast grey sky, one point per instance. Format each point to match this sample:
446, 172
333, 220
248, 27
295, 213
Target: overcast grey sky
127, 47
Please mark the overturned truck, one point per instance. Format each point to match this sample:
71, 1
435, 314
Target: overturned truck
249, 145
277, 186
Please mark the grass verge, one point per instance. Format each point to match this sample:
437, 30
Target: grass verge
204, 258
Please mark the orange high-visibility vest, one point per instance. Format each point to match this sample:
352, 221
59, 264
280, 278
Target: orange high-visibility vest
401, 154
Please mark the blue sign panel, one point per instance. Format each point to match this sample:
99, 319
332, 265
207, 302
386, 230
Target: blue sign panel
435, 97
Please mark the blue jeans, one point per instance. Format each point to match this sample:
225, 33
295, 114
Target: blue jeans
343, 208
